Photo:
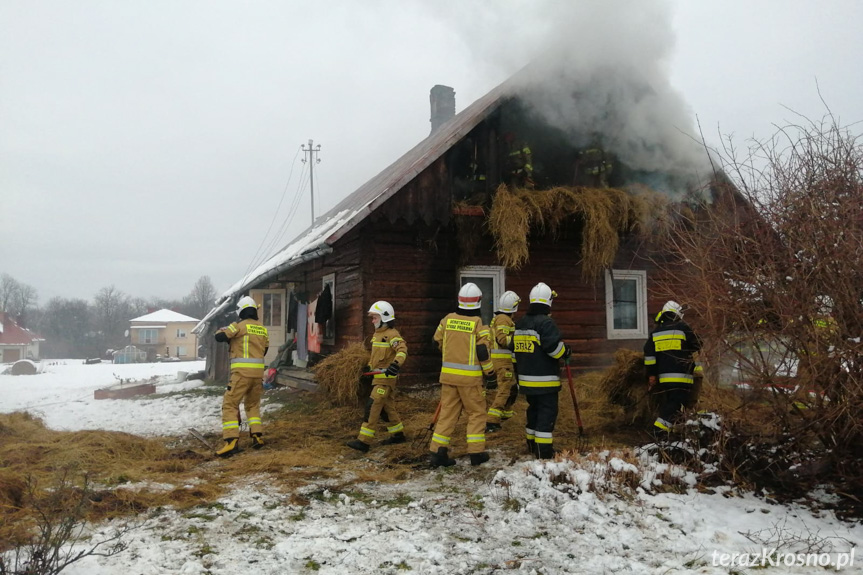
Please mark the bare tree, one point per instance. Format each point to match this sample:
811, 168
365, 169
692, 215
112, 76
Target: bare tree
8, 289
202, 298
112, 311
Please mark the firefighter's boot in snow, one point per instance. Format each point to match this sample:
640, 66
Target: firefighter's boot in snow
441, 458
230, 448
479, 458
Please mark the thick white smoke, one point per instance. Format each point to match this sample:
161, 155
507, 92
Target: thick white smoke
597, 69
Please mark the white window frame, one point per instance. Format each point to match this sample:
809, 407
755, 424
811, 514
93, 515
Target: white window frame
498, 280
181, 351
331, 324
640, 277
181, 333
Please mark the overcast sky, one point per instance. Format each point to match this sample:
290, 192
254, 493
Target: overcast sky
145, 144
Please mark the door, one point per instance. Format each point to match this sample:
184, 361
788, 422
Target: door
271, 313
10, 355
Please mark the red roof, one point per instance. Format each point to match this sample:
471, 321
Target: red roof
12, 334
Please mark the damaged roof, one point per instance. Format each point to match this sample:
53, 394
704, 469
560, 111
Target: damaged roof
347, 214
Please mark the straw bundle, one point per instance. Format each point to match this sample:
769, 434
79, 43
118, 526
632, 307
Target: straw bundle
338, 374
606, 213
624, 384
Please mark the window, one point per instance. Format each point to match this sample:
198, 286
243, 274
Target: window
181, 333
626, 304
330, 326
272, 310
148, 336
181, 351
490, 281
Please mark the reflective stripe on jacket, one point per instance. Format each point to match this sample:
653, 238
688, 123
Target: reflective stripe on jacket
502, 327
459, 336
537, 347
388, 346
248, 342
668, 352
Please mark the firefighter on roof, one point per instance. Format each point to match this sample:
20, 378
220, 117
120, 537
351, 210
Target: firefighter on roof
538, 347
502, 328
389, 352
249, 342
464, 343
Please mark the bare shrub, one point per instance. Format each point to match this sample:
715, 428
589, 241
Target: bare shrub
774, 274
57, 537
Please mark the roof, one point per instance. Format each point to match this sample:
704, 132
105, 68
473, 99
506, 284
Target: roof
347, 214
13, 334
164, 316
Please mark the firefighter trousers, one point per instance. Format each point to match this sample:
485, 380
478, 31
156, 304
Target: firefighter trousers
501, 406
381, 401
246, 390
454, 399
671, 398
541, 417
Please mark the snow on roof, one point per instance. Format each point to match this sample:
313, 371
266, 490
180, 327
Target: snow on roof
164, 316
14, 334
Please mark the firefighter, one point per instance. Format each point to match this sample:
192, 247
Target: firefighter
249, 342
502, 328
519, 162
538, 348
464, 342
670, 366
595, 166
389, 352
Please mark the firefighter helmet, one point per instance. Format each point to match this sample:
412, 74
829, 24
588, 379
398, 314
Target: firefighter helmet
383, 309
673, 307
246, 301
508, 302
543, 294
469, 296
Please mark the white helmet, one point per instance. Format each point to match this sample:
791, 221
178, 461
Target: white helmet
383, 309
543, 294
246, 301
673, 307
469, 296
508, 302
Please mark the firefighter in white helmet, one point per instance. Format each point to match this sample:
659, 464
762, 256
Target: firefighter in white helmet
248, 341
389, 352
538, 348
464, 342
670, 365
502, 328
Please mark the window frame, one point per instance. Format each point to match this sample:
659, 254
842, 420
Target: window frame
640, 277
498, 281
329, 331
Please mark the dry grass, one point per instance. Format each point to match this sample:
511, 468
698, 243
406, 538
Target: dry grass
606, 213
338, 375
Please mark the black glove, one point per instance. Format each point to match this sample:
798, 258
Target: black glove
567, 352
365, 379
393, 369
491, 382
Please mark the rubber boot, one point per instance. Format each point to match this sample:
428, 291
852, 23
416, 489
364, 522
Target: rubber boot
257, 441
358, 445
397, 437
545, 451
441, 458
479, 458
230, 448
531, 446
492, 427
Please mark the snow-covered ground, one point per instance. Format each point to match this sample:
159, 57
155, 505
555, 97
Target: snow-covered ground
530, 517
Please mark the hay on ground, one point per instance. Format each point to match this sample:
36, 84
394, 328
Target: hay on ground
338, 375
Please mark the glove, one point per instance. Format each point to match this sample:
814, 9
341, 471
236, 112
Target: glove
365, 379
651, 381
491, 382
567, 352
393, 369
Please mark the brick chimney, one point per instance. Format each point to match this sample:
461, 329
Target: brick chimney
442, 99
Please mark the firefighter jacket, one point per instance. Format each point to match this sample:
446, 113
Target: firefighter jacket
464, 342
537, 347
668, 352
502, 328
388, 346
248, 342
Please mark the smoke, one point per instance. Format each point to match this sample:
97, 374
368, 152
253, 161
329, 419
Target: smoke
597, 69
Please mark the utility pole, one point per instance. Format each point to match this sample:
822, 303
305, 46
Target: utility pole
312, 150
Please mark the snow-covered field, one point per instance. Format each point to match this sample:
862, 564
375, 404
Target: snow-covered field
529, 517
